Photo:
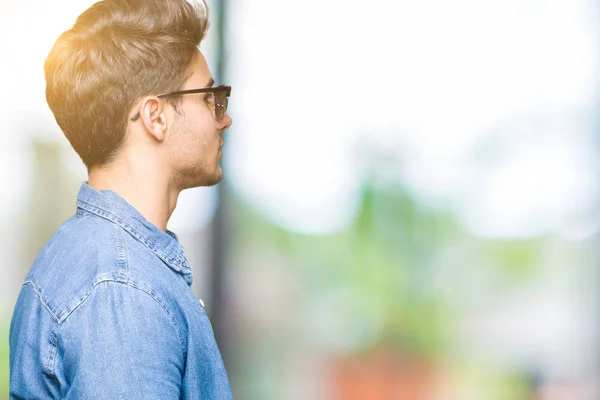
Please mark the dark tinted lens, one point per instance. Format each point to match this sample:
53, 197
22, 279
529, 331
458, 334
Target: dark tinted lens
220, 104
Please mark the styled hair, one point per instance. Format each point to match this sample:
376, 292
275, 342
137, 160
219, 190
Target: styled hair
117, 52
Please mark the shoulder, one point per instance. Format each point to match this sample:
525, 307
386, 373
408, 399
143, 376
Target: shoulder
83, 253
123, 336
125, 308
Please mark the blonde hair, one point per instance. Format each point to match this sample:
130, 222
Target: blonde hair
117, 52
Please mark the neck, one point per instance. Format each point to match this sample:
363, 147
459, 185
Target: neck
145, 189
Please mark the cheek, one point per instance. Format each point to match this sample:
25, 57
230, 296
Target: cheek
202, 143
203, 124
201, 114
198, 131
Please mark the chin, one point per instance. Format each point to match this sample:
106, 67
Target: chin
211, 179
217, 177
201, 179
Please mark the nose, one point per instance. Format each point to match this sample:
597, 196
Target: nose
225, 123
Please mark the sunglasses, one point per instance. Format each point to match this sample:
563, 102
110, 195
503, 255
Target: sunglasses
220, 96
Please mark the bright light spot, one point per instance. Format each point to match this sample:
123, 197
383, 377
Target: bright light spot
442, 80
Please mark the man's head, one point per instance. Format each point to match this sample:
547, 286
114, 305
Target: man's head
118, 56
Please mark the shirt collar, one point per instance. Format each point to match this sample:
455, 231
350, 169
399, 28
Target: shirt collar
109, 205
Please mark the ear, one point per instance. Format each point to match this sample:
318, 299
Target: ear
153, 117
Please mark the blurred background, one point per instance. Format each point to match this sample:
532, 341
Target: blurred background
410, 207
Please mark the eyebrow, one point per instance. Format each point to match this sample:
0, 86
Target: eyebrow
210, 83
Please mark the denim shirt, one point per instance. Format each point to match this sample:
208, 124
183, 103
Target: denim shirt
107, 312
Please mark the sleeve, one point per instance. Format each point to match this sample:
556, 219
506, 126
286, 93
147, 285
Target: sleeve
120, 343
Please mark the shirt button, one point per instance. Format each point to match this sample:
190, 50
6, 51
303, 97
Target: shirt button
201, 302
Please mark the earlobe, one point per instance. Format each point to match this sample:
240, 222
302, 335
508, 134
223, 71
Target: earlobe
153, 117
160, 127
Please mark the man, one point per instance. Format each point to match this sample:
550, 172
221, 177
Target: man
106, 311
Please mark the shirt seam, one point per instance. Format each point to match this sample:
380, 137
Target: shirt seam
41, 299
122, 256
48, 366
133, 284
126, 250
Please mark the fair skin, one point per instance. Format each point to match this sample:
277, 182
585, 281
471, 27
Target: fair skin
166, 151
